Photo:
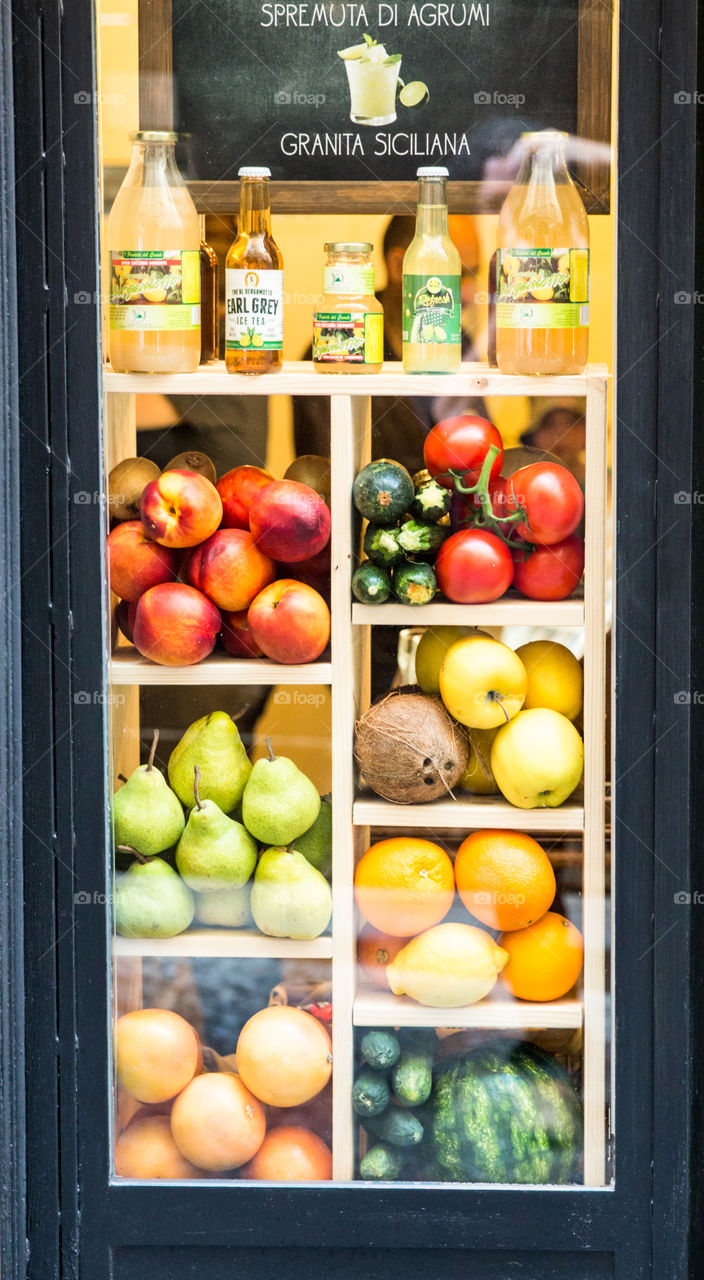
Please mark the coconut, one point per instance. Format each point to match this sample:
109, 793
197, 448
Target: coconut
408, 748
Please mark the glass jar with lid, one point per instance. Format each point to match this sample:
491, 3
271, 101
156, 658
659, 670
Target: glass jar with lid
348, 324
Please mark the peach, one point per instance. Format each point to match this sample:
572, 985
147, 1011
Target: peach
217, 1123
180, 508
237, 488
290, 621
175, 625
146, 1149
237, 636
290, 521
157, 1053
315, 572
230, 569
124, 617
135, 562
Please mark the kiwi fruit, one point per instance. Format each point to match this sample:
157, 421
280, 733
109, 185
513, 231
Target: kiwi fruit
192, 460
126, 483
312, 470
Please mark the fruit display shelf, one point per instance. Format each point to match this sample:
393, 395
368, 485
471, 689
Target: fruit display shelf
299, 377
465, 815
128, 667
225, 944
510, 610
376, 1008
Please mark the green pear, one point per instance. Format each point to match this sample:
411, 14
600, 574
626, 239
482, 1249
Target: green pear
316, 843
226, 907
214, 744
146, 814
290, 899
279, 802
214, 852
151, 901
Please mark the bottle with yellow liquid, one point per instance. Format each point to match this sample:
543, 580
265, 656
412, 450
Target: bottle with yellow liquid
432, 332
254, 283
542, 302
154, 251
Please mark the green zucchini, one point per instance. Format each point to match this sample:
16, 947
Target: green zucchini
371, 584
414, 583
431, 502
383, 546
383, 491
380, 1050
417, 538
370, 1094
381, 1163
398, 1127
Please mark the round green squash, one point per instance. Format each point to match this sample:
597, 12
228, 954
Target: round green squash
383, 492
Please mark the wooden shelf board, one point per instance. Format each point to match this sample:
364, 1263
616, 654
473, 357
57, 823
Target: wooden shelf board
375, 1008
299, 377
509, 611
127, 666
231, 944
371, 811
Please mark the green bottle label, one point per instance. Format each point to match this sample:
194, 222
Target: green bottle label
542, 288
432, 309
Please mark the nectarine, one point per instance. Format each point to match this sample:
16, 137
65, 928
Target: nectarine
135, 562
290, 521
230, 569
237, 635
237, 488
180, 508
290, 621
175, 625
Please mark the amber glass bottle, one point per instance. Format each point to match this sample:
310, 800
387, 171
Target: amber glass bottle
254, 284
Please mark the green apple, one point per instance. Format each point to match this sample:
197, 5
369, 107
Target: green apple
482, 682
537, 759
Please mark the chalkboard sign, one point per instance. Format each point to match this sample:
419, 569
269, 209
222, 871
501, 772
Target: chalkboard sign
418, 83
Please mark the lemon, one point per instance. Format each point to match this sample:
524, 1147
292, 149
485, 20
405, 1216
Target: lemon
414, 93
554, 677
257, 340
154, 295
544, 294
447, 966
563, 262
244, 340
352, 53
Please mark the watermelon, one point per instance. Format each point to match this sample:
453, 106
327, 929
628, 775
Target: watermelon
505, 1112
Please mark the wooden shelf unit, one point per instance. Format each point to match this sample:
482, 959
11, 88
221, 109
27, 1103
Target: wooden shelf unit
347, 673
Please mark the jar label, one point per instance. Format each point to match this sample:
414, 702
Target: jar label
349, 277
542, 288
341, 336
254, 309
154, 289
431, 309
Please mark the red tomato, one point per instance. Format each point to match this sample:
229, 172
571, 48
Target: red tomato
474, 567
551, 498
461, 444
549, 573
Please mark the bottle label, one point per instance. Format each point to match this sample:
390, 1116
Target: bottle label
154, 289
431, 309
349, 277
542, 288
347, 337
254, 310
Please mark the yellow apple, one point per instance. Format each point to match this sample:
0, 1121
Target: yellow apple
477, 776
537, 759
482, 682
430, 654
554, 677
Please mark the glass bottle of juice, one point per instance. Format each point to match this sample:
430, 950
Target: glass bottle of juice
432, 334
254, 284
542, 310
209, 320
348, 323
154, 250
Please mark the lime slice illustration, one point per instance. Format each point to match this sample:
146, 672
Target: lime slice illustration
353, 52
440, 334
414, 93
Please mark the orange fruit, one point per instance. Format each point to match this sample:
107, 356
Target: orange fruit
404, 885
146, 1149
291, 1154
375, 951
504, 878
284, 1056
545, 960
156, 1054
217, 1123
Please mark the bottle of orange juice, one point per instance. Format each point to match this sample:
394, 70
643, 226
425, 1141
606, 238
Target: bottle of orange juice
154, 250
542, 307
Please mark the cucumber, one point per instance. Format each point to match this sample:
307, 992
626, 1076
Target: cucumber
371, 584
381, 1163
432, 501
383, 492
414, 583
382, 546
398, 1127
370, 1094
380, 1050
412, 1078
